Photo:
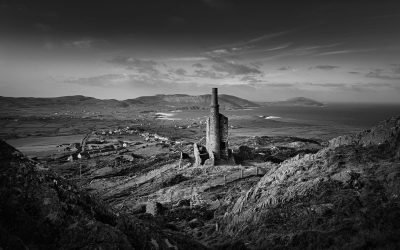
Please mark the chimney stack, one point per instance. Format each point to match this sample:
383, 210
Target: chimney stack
215, 136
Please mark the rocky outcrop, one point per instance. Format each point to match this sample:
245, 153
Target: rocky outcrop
387, 131
347, 195
40, 210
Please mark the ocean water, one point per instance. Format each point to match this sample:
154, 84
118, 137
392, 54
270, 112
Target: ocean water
311, 122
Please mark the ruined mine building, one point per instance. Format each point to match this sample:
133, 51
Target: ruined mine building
217, 131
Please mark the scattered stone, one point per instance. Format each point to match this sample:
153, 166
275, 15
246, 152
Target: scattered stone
195, 223
154, 208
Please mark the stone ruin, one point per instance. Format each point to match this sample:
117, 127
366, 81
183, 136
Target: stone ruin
216, 149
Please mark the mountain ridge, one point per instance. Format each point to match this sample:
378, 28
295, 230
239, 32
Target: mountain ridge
225, 101
297, 101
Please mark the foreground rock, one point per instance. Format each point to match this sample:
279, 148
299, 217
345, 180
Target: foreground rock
40, 210
345, 196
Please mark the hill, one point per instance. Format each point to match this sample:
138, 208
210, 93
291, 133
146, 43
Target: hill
77, 100
297, 101
346, 196
41, 210
201, 101
83, 106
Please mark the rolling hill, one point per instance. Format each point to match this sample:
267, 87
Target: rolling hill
297, 101
178, 100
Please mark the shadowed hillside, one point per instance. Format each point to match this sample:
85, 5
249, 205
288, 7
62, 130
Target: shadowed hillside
40, 210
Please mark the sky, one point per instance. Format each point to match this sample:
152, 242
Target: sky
330, 51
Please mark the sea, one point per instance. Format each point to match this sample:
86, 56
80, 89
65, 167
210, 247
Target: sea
324, 122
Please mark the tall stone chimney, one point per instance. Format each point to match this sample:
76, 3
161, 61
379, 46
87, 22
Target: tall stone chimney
214, 126
216, 133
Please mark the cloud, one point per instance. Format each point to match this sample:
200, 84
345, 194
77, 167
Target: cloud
42, 27
253, 45
284, 68
381, 74
396, 68
220, 51
187, 59
283, 46
257, 64
266, 37
198, 65
82, 44
180, 72
326, 67
140, 65
207, 74
121, 80
327, 85
107, 80
281, 85
338, 52
354, 72
217, 4
356, 87
251, 80
232, 68
49, 45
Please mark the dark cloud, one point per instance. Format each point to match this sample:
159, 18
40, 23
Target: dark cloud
326, 67
354, 72
284, 68
233, 68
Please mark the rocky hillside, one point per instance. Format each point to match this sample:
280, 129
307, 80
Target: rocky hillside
346, 196
39, 210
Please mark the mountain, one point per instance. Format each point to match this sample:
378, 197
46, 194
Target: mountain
178, 100
78, 100
202, 101
345, 196
297, 101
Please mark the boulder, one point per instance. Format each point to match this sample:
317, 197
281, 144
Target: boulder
154, 208
195, 223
